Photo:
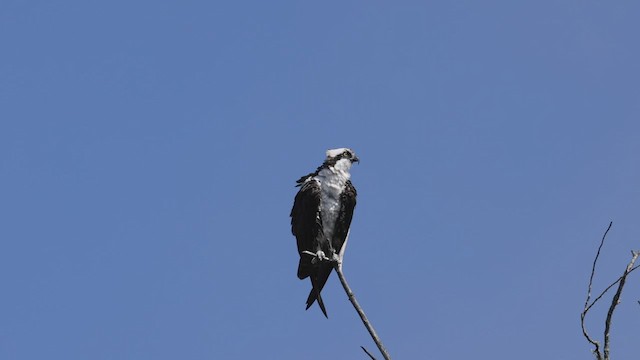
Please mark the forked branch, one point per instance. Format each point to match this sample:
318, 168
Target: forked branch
614, 302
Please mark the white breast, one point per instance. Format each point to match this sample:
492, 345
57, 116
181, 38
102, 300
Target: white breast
332, 182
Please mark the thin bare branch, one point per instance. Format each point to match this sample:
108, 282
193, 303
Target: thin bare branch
616, 301
609, 287
586, 303
593, 267
368, 353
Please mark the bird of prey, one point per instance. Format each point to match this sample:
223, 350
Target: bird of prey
320, 219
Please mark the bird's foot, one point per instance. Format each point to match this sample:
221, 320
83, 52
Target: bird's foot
319, 256
336, 259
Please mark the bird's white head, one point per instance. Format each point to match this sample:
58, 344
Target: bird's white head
341, 159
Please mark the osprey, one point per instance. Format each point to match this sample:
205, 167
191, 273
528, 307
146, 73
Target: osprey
320, 219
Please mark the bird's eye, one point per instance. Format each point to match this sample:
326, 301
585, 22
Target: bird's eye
347, 154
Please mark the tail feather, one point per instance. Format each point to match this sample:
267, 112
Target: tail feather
312, 298
318, 280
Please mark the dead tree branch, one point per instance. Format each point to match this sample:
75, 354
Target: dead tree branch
368, 353
609, 288
365, 321
586, 303
614, 302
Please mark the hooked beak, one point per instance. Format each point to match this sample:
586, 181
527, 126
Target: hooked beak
355, 160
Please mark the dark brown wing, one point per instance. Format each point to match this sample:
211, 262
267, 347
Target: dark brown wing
306, 223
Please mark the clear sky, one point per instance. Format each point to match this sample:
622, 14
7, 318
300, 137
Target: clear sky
149, 151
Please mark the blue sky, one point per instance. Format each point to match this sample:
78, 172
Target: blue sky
149, 150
